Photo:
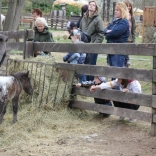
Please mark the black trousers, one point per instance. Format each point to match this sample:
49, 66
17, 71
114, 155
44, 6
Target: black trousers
126, 105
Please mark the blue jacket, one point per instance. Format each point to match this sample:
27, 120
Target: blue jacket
82, 58
119, 33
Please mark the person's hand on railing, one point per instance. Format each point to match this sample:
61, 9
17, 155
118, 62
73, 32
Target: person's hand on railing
94, 88
78, 85
125, 90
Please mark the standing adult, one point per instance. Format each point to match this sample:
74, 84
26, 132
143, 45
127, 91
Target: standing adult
42, 33
37, 13
118, 32
93, 25
132, 27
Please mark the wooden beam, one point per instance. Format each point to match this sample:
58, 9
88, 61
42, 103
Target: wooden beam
94, 70
29, 51
15, 46
115, 95
100, 48
153, 124
17, 34
144, 116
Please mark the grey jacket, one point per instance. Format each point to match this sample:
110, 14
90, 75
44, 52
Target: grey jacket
93, 26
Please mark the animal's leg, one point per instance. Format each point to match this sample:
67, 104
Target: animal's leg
2, 110
15, 108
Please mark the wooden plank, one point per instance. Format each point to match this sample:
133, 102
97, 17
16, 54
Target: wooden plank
100, 48
94, 70
15, 46
16, 34
144, 116
29, 51
153, 124
154, 16
115, 95
154, 118
153, 97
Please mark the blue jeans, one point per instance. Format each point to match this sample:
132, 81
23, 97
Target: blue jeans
81, 78
116, 60
93, 59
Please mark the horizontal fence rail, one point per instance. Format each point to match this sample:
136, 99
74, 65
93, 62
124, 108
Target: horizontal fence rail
132, 98
94, 70
15, 46
18, 34
144, 116
101, 48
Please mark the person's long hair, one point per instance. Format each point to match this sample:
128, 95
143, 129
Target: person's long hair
129, 3
125, 83
124, 10
83, 10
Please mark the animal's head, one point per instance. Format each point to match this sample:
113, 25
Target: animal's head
27, 87
25, 81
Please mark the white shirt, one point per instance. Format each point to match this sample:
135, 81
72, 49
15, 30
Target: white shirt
133, 86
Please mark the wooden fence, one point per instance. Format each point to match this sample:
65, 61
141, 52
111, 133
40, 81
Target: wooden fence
149, 24
128, 73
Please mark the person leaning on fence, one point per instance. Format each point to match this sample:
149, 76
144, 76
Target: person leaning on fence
92, 24
132, 28
97, 81
124, 85
118, 32
42, 34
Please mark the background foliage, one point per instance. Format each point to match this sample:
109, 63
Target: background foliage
69, 8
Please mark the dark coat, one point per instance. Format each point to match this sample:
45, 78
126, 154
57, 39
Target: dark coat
94, 27
119, 33
44, 36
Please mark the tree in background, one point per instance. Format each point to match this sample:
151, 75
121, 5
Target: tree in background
15, 8
0, 13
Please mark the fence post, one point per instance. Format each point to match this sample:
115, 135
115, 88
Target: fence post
29, 49
3, 40
153, 125
29, 34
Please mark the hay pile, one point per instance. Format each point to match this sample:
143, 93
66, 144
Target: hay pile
47, 123
49, 88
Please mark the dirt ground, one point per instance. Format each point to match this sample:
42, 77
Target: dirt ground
97, 137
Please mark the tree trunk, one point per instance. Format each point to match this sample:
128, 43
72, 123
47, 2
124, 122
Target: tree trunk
0, 15
108, 10
104, 11
13, 15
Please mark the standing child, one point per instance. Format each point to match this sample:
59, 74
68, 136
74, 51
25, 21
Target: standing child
72, 57
97, 81
76, 58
